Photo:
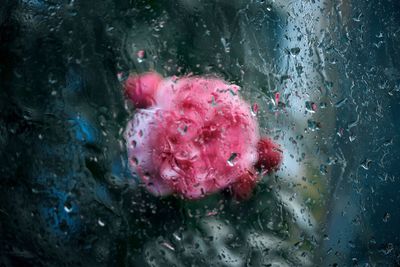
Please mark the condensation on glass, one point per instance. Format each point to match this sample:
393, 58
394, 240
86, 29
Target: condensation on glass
322, 77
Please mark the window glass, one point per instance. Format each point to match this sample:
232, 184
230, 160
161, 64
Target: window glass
319, 80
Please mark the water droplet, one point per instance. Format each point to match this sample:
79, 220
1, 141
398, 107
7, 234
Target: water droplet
212, 213
226, 45
311, 106
388, 142
120, 76
388, 249
295, 51
285, 77
51, 79
101, 223
168, 246
313, 125
352, 137
176, 236
134, 161
213, 103
386, 217
277, 97
323, 169
366, 164
146, 178
353, 123
341, 102
68, 207
340, 132
254, 109
133, 143
183, 130
141, 54
231, 159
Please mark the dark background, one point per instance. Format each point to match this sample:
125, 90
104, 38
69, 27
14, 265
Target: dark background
66, 197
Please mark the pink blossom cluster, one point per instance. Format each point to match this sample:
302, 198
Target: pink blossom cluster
193, 136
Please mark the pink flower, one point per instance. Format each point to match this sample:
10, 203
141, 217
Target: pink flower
193, 136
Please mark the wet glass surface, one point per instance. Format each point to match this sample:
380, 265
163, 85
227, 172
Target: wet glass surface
322, 77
